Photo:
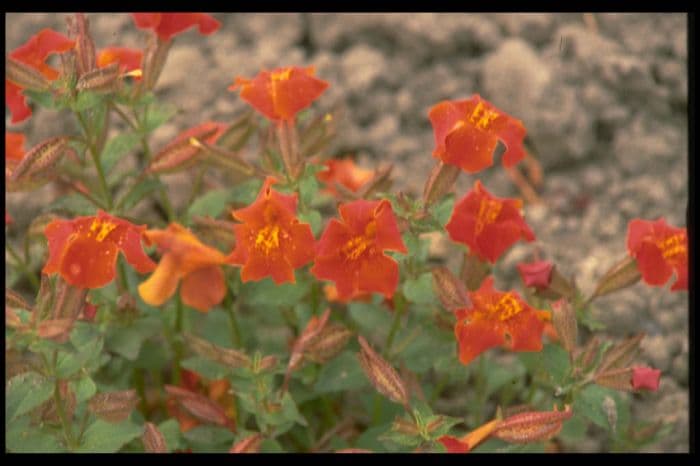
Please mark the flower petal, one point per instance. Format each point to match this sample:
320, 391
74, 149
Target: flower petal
133, 250
379, 274
388, 235
57, 233
476, 337
161, 285
203, 288
17, 103
88, 263
654, 269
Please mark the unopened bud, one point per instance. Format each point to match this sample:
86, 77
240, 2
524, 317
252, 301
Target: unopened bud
267, 363
40, 159
250, 444
384, 377
226, 356
154, 61
224, 158
25, 76
621, 354
311, 331
180, 154
449, 289
238, 132
564, 320
215, 230
645, 378
153, 439
589, 352
15, 300
536, 426
49, 412
440, 182
405, 426
617, 379
57, 330
101, 80
473, 271
113, 407
200, 406
381, 181
85, 56
621, 275
328, 343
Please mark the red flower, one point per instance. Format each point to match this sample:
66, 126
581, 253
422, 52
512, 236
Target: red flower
659, 249
282, 93
271, 242
84, 250
645, 378
34, 53
128, 59
537, 274
345, 173
14, 146
496, 318
168, 25
489, 225
351, 252
467, 132
469, 441
184, 258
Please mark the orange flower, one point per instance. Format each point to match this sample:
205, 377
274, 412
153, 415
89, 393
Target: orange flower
184, 258
271, 242
467, 132
34, 53
345, 173
645, 377
351, 252
168, 25
215, 390
84, 250
489, 225
659, 249
469, 441
494, 319
128, 59
280, 94
537, 274
14, 147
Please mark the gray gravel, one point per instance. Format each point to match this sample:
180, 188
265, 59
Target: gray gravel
605, 106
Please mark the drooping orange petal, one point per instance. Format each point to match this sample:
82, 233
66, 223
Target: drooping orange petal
344, 172
130, 244
203, 288
162, 284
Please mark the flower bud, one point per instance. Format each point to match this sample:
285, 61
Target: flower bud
441, 180
313, 328
85, 56
48, 411
621, 275
15, 300
154, 60
153, 439
617, 379
25, 76
328, 343
226, 356
564, 320
267, 363
380, 181
180, 154
224, 158
384, 377
534, 426
449, 289
238, 132
473, 271
200, 407
620, 354
39, 159
113, 407
588, 353
645, 378
101, 80
250, 444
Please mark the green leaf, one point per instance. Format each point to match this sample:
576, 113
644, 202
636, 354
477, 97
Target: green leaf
418, 248
443, 210
420, 290
86, 100
68, 363
43, 98
105, 437
74, 204
499, 376
314, 219
372, 318
341, 374
127, 341
245, 193
25, 392
137, 194
284, 417
171, 432
22, 437
206, 368
116, 148
208, 436
84, 389
156, 115
556, 362
266, 293
211, 204
402, 439
574, 430
589, 403
308, 186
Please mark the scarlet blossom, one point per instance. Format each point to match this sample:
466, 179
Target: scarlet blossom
660, 249
184, 258
496, 319
645, 378
34, 53
345, 173
468, 442
8, 219
489, 225
215, 390
84, 250
271, 242
351, 252
467, 132
282, 93
129, 59
168, 25
14, 146
536, 274
331, 294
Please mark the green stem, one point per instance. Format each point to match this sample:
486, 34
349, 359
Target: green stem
23, 267
67, 431
96, 160
179, 314
83, 424
232, 307
480, 389
123, 115
140, 388
196, 186
123, 282
376, 409
398, 312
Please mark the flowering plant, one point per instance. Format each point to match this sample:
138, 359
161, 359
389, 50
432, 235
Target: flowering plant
289, 302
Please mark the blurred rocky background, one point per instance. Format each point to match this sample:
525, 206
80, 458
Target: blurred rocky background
603, 96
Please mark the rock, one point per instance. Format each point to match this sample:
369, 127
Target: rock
361, 66
536, 28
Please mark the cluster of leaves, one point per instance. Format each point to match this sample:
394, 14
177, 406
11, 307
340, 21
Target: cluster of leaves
272, 344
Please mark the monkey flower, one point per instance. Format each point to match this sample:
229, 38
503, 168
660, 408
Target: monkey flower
467, 132
84, 250
467, 443
351, 252
660, 249
646, 378
34, 53
344, 172
184, 258
14, 147
489, 225
495, 319
271, 242
282, 93
128, 59
537, 274
168, 25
